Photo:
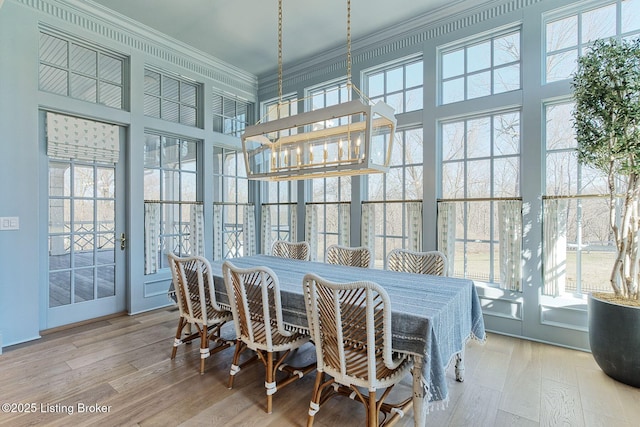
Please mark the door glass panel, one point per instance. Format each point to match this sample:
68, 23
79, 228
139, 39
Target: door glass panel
59, 288
106, 282
82, 232
84, 284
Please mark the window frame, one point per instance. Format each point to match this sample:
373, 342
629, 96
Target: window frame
465, 45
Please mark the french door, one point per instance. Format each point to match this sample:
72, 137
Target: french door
86, 240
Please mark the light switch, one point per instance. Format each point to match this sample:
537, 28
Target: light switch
9, 223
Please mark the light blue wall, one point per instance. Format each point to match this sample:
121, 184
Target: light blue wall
19, 175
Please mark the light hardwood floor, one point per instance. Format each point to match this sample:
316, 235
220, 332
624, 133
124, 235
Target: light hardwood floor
123, 364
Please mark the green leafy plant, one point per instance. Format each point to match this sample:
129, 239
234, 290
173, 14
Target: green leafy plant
607, 125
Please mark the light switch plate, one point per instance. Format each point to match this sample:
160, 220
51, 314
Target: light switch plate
9, 223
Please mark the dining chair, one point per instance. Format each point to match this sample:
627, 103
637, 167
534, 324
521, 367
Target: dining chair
196, 299
254, 296
295, 250
350, 324
352, 256
431, 262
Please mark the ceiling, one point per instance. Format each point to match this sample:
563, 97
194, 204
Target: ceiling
244, 33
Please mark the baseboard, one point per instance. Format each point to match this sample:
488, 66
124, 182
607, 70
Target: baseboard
81, 323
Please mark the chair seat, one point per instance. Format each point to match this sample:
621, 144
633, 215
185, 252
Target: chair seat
356, 365
279, 342
213, 316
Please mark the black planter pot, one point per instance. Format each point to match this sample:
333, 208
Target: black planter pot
614, 337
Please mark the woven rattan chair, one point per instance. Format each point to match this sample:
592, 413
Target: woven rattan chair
254, 295
197, 304
344, 255
350, 324
432, 262
297, 250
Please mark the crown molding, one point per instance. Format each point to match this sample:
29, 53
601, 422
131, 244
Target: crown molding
413, 32
94, 18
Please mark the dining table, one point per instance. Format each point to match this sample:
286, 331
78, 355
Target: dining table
432, 317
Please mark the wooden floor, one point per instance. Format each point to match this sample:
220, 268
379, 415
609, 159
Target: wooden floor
123, 366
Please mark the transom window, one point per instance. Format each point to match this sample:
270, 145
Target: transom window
480, 165
79, 71
274, 109
400, 86
171, 98
480, 68
231, 115
568, 36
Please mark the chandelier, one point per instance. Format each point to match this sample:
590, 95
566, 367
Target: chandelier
351, 138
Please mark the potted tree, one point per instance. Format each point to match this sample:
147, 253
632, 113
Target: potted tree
607, 124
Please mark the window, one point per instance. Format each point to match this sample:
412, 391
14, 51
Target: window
480, 163
400, 86
567, 36
327, 191
171, 98
588, 249
170, 177
232, 190
82, 72
403, 183
231, 115
281, 198
480, 68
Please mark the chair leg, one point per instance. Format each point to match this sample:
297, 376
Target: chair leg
270, 383
177, 341
204, 347
314, 405
234, 364
372, 410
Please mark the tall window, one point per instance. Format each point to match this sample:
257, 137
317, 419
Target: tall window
567, 36
232, 186
327, 191
171, 98
400, 86
231, 115
403, 183
83, 72
480, 163
588, 249
281, 196
170, 172
485, 67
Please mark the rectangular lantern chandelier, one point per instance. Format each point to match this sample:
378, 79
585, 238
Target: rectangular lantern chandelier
352, 138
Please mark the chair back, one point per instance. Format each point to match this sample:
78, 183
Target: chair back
254, 297
294, 250
195, 293
352, 256
432, 262
350, 324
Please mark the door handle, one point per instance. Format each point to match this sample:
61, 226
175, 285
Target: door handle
123, 241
